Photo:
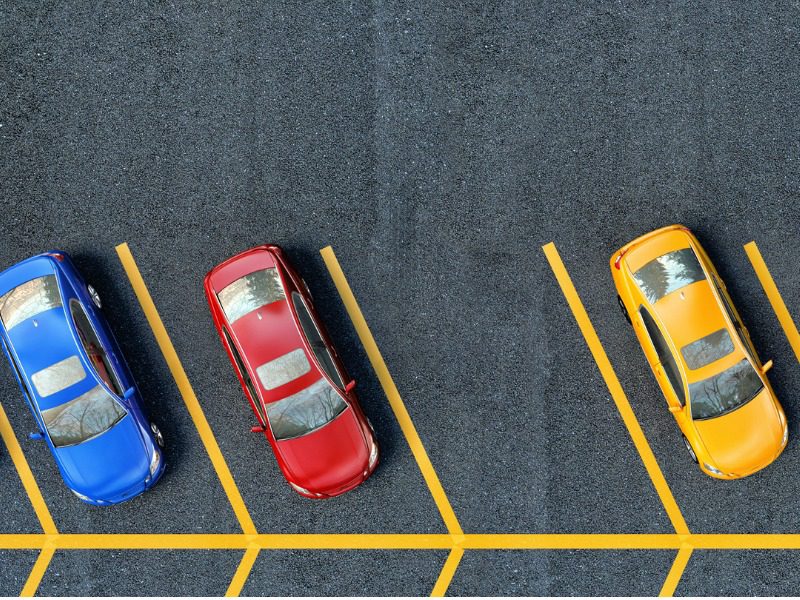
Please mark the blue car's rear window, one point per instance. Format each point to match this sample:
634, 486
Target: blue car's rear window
28, 300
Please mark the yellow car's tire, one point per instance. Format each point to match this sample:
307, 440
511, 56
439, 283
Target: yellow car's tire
624, 310
690, 450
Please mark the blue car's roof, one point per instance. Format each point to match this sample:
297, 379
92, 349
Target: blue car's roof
48, 337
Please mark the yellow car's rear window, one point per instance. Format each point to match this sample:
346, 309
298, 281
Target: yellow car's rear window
668, 273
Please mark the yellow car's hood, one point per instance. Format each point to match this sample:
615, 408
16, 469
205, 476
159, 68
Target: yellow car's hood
745, 440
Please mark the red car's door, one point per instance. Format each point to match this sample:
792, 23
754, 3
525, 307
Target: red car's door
244, 379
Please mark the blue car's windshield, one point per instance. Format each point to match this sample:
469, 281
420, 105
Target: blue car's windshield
82, 418
28, 300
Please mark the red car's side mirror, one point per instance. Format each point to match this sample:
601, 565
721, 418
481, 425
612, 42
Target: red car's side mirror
257, 429
350, 386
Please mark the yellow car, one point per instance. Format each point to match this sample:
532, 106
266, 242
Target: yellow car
700, 352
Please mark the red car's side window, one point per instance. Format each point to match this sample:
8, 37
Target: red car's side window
245, 376
315, 340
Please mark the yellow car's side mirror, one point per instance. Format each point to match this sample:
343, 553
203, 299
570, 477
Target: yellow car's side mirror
766, 366
675, 409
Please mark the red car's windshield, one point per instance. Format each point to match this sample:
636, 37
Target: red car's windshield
305, 411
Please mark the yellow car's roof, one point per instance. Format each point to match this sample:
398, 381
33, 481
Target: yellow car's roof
686, 326
680, 325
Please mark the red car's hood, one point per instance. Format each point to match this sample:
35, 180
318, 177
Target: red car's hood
327, 458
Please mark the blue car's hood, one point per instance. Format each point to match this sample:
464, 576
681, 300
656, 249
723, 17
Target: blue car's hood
108, 465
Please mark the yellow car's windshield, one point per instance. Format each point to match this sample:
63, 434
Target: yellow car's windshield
725, 391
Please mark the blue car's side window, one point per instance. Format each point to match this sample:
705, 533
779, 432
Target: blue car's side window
18, 374
94, 349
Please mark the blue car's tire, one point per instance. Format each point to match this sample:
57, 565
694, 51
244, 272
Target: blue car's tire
94, 296
157, 435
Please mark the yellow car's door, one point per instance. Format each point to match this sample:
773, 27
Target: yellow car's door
659, 355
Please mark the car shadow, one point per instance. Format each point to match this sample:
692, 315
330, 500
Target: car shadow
332, 311
150, 371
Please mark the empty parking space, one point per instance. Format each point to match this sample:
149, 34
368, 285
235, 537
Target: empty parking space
139, 573
562, 573
369, 573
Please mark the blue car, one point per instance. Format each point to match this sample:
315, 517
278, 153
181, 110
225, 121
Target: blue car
76, 382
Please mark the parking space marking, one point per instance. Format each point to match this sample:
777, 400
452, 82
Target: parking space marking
398, 407
26, 475
623, 405
676, 571
185, 388
390, 389
36, 499
38, 571
572, 541
243, 571
447, 572
400, 541
774, 296
615, 388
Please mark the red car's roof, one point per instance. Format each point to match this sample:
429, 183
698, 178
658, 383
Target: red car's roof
268, 332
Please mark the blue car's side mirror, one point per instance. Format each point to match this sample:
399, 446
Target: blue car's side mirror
36, 435
129, 393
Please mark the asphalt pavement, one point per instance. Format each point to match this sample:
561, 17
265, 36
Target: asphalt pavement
436, 148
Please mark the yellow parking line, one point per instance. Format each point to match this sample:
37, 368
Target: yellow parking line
152, 541
774, 296
389, 387
745, 541
355, 541
610, 377
676, 572
25, 474
447, 573
23, 541
185, 388
572, 541
243, 572
37, 572
400, 541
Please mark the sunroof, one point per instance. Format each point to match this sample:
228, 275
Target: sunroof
707, 349
283, 369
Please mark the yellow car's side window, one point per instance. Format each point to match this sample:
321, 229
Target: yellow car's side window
734, 317
664, 353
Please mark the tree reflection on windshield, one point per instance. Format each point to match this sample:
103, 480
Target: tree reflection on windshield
724, 392
305, 411
85, 417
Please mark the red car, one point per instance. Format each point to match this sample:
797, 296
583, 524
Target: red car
298, 388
